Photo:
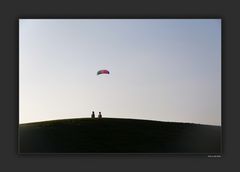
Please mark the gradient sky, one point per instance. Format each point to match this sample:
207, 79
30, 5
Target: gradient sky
160, 69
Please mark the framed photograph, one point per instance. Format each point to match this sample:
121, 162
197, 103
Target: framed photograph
120, 86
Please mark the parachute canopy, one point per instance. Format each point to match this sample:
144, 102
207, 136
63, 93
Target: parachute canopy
104, 71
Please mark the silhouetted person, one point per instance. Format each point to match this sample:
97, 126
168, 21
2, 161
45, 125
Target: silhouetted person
99, 115
93, 114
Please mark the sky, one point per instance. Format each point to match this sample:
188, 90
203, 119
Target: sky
160, 69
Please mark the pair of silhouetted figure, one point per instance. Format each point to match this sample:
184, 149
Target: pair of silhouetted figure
99, 115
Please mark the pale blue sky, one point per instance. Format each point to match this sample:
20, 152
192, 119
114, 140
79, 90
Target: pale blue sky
160, 69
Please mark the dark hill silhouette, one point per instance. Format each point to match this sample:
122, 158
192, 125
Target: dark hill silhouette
112, 135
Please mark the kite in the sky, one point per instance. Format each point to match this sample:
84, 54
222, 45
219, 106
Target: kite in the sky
103, 72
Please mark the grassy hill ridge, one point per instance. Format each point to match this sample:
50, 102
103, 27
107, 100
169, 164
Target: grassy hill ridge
114, 135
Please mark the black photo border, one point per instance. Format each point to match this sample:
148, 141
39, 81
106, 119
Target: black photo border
11, 11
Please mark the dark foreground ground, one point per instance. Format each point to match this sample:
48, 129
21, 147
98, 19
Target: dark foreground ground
111, 135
